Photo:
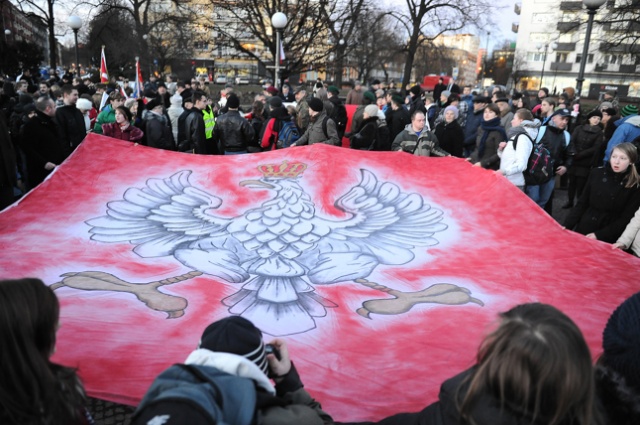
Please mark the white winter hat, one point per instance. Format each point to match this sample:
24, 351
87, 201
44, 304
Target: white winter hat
84, 104
176, 100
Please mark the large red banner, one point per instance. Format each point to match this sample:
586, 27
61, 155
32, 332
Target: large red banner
382, 270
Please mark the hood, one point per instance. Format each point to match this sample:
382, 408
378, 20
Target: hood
409, 129
633, 120
231, 364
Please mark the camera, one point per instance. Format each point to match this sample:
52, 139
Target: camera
271, 349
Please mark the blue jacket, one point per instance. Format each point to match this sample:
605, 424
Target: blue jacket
474, 118
628, 129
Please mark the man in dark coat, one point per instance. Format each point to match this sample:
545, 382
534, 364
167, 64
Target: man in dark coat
397, 117
194, 135
70, 120
8, 168
158, 127
232, 132
474, 119
41, 142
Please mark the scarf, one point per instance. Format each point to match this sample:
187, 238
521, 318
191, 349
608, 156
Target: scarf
488, 126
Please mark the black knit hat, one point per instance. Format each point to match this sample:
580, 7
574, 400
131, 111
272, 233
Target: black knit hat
315, 104
415, 90
236, 335
153, 103
275, 102
621, 341
233, 101
594, 113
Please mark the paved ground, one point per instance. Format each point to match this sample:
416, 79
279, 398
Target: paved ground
106, 413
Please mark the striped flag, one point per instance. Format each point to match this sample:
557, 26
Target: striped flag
137, 90
282, 57
104, 74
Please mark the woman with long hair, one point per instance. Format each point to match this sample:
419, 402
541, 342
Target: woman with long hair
610, 198
490, 135
534, 369
587, 140
33, 390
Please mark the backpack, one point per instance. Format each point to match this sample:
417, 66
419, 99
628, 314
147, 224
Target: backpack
324, 127
383, 137
197, 395
540, 164
339, 115
287, 135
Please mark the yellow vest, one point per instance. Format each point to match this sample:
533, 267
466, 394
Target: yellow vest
209, 122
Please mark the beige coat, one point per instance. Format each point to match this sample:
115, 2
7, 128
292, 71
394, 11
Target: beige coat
630, 238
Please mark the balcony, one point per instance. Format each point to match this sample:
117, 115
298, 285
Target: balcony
515, 27
619, 48
567, 26
561, 66
571, 5
517, 8
566, 47
628, 69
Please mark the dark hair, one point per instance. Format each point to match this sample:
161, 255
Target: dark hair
126, 112
67, 89
494, 108
43, 102
197, 95
538, 365
257, 108
32, 389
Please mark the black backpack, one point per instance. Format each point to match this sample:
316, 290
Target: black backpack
540, 167
195, 395
339, 115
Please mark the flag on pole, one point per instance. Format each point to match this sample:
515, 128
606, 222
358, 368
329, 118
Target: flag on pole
282, 57
104, 74
103, 101
355, 258
137, 90
123, 92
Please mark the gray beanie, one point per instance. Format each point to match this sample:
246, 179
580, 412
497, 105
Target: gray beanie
371, 110
456, 113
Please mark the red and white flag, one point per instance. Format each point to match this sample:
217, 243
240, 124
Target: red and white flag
282, 57
381, 271
137, 91
104, 74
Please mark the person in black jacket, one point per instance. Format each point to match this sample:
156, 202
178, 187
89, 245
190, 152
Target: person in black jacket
450, 134
158, 127
534, 369
610, 199
70, 120
194, 140
232, 132
586, 139
397, 117
41, 142
365, 138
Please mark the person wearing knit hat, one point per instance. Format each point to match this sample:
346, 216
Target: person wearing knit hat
85, 106
628, 110
315, 104
605, 105
333, 90
628, 128
232, 359
365, 138
618, 369
233, 133
449, 132
321, 129
275, 102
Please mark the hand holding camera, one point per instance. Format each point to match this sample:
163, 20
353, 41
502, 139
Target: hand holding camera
278, 358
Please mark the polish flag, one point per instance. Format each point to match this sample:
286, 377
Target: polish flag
381, 271
104, 74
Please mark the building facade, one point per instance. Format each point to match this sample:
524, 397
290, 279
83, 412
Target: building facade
550, 42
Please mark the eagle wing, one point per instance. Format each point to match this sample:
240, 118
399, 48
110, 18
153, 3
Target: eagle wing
385, 222
160, 217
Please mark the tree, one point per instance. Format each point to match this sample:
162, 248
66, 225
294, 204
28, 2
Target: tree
151, 29
424, 20
247, 21
45, 11
20, 55
621, 25
518, 70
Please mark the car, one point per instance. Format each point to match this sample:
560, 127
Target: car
242, 80
221, 79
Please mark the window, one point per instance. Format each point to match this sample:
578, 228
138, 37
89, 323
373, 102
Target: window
561, 57
201, 45
589, 58
535, 56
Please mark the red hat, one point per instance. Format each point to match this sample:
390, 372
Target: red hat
272, 90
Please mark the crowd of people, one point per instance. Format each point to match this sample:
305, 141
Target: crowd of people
534, 368
596, 151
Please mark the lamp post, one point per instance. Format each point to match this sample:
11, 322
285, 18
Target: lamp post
592, 7
76, 23
544, 57
278, 21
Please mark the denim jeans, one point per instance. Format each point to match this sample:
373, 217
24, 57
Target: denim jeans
540, 194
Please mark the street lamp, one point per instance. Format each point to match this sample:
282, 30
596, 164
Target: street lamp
278, 21
76, 23
544, 57
592, 7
